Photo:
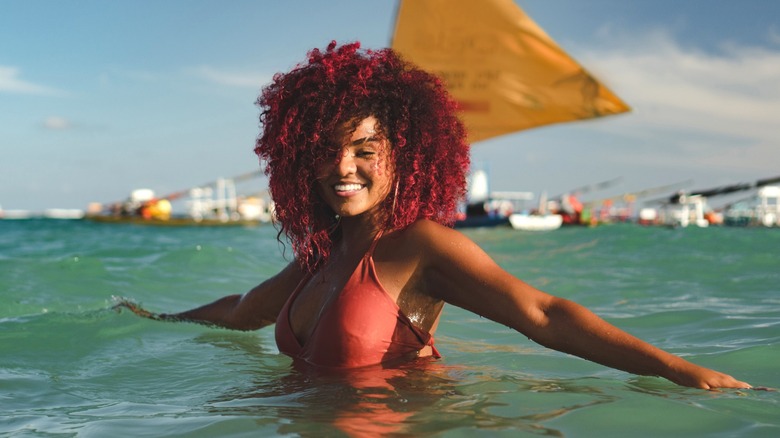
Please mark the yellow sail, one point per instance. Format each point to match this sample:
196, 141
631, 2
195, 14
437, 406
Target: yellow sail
505, 72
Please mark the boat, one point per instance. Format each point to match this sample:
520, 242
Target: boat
491, 209
539, 220
572, 209
482, 208
502, 68
174, 221
506, 75
762, 210
49, 213
481, 221
606, 210
16, 214
535, 222
63, 213
648, 216
212, 204
690, 208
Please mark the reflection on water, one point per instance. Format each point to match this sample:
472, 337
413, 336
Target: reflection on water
368, 401
422, 397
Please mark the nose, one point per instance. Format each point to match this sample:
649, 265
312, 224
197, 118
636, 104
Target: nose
345, 163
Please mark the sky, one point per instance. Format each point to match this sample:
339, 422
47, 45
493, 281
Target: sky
98, 98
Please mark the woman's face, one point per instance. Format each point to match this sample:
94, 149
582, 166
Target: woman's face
360, 177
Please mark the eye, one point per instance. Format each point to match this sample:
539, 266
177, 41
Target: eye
365, 153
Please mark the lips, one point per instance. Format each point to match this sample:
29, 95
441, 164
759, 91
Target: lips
348, 187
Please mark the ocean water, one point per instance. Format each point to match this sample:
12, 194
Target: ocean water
70, 365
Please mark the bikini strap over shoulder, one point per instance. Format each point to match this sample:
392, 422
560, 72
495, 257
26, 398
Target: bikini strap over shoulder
373, 244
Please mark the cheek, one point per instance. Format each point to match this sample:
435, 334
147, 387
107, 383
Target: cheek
381, 167
383, 177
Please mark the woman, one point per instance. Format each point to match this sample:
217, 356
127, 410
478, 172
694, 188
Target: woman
366, 163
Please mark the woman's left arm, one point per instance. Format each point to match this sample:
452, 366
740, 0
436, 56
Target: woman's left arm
459, 272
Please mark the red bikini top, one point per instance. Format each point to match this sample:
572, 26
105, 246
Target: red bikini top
362, 326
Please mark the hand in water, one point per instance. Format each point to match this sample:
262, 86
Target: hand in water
124, 303
135, 308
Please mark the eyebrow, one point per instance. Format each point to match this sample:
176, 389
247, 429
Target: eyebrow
364, 140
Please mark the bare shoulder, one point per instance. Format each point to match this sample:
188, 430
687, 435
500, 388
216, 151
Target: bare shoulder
439, 236
434, 242
456, 270
425, 227
421, 246
432, 233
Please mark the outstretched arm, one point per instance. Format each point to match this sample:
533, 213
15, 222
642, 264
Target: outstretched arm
255, 309
569, 327
459, 272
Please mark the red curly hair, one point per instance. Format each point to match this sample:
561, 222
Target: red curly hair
302, 112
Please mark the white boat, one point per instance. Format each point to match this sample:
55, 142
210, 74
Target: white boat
484, 208
768, 211
63, 213
535, 222
690, 211
763, 209
16, 214
685, 209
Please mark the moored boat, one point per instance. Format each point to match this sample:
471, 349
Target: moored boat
174, 221
539, 220
535, 222
690, 208
213, 204
761, 210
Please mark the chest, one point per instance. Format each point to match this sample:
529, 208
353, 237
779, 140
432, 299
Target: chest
390, 282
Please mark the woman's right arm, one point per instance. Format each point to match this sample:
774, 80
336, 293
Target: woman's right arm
255, 309
462, 274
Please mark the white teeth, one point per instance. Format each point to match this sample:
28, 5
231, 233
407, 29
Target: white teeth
347, 187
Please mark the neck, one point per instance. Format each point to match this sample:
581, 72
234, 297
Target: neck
357, 231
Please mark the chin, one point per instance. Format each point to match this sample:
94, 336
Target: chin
348, 213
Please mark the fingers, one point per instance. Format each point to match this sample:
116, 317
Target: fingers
704, 378
131, 306
725, 381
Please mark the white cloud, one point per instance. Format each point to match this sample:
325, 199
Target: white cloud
233, 79
690, 89
716, 109
11, 82
57, 123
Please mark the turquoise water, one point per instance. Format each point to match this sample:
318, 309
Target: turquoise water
71, 366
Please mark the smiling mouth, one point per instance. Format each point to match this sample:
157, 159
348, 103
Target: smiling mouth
348, 187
